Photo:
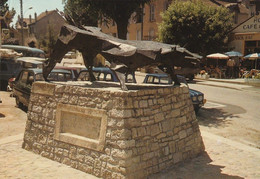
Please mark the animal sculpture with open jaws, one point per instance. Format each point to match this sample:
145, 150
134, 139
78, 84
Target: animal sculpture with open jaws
90, 41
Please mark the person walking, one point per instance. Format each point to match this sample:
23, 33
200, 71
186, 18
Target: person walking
230, 68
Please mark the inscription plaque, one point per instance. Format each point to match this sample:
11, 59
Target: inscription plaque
85, 127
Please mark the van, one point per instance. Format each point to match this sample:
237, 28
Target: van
9, 66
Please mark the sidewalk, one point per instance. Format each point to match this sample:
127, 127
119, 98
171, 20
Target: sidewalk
223, 159
236, 81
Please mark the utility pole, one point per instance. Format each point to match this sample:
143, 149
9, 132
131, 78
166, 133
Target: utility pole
1, 31
21, 3
142, 21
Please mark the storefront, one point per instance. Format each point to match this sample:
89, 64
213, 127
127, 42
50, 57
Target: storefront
245, 38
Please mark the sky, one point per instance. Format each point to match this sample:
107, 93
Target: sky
38, 6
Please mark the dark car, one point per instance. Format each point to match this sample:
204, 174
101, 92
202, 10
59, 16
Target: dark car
25, 79
11, 65
104, 74
9, 68
25, 62
196, 96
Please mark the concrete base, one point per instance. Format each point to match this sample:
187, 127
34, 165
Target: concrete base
111, 133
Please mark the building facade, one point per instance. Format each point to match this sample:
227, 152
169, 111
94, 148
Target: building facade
245, 38
38, 27
138, 29
44, 22
245, 11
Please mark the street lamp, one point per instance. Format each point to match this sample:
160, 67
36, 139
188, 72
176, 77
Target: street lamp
21, 3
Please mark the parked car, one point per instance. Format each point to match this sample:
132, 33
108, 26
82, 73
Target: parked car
9, 68
25, 62
11, 64
26, 51
197, 97
74, 69
104, 74
23, 82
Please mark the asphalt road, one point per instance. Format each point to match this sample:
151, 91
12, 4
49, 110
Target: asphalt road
231, 113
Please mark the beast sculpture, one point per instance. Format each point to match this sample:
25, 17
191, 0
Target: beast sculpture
90, 41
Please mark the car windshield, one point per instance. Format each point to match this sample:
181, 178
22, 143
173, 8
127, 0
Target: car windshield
84, 76
54, 76
164, 80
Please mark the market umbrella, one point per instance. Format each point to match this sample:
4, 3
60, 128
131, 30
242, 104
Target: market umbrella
234, 54
253, 56
218, 56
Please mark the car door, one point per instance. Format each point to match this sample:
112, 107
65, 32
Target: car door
23, 86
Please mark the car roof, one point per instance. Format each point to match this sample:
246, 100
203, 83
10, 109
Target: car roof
158, 75
39, 70
163, 75
25, 48
33, 60
99, 69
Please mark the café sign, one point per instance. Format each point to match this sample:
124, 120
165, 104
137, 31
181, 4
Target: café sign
251, 25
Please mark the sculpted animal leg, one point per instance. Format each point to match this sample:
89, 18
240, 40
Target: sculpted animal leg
56, 56
174, 76
48, 65
88, 58
130, 72
120, 71
121, 78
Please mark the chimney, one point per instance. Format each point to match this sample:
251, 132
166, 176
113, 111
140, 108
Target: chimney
30, 19
35, 16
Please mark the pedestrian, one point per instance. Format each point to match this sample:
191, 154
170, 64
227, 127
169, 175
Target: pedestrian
230, 68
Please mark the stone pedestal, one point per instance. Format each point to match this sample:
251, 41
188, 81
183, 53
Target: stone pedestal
112, 133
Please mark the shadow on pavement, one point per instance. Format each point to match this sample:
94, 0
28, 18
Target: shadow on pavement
197, 168
2, 115
219, 116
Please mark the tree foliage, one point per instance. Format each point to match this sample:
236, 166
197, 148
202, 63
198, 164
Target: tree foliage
198, 27
118, 10
4, 8
48, 40
81, 13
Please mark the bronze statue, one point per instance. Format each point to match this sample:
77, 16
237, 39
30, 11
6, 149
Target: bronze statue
90, 41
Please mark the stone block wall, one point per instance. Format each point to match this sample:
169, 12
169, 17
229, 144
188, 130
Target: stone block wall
112, 133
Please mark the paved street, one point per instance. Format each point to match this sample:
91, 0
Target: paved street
228, 137
231, 111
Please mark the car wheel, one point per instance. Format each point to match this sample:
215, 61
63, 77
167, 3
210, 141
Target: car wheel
18, 103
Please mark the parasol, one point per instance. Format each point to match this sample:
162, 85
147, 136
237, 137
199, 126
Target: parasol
234, 54
253, 56
218, 56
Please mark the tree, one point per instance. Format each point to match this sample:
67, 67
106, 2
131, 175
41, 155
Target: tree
196, 26
118, 10
4, 11
47, 42
84, 15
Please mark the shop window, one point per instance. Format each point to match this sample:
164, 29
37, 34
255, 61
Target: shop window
152, 13
166, 5
252, 47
